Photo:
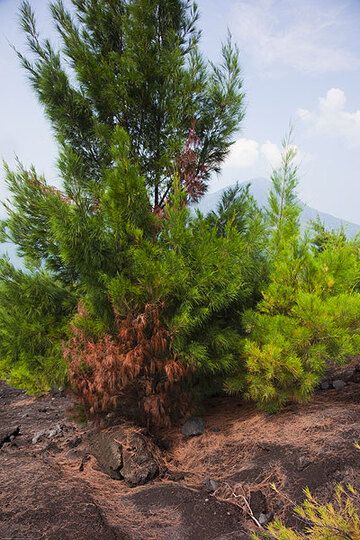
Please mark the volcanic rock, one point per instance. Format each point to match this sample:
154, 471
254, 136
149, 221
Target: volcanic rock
193, 427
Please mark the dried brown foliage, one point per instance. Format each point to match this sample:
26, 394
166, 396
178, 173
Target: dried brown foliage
192, 171
132, 371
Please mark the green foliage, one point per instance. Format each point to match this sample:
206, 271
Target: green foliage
196, 274
309, 313
137, 290
286, 355
337, 520
136, 65
283, 209
196, 278
33, 311
320, 236
133, 104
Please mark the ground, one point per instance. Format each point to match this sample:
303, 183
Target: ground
52, 488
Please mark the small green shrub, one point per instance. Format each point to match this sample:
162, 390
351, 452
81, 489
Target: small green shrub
337, 520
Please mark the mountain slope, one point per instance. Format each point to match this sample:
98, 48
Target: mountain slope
260, 188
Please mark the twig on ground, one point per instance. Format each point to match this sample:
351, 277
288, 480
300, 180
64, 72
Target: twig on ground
247, 504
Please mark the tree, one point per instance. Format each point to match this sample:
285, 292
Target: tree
134, 64
164, 320
141, 120
309, 313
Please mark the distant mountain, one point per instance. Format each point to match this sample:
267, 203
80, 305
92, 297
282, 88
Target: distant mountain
260, 188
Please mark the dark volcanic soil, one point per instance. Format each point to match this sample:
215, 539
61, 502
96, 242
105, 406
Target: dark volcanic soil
50, 488
44, 494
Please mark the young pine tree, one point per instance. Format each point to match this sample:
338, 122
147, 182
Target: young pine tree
309, 314
165, 319
133, 105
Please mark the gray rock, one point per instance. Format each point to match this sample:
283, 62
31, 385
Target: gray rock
139, 464
339, 384
264, 519
6, 445
55, 431
303, 463
193, 427
211, 485
325, 385
38, 436
356, 374
108, 451
53, 448
347, 374
85, 458
124, 455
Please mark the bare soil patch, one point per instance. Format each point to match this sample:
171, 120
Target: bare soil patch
51, 487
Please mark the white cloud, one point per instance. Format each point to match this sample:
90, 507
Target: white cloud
303, 35
333, 119
244, 153
272, 153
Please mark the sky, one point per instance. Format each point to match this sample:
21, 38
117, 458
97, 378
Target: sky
301, 65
